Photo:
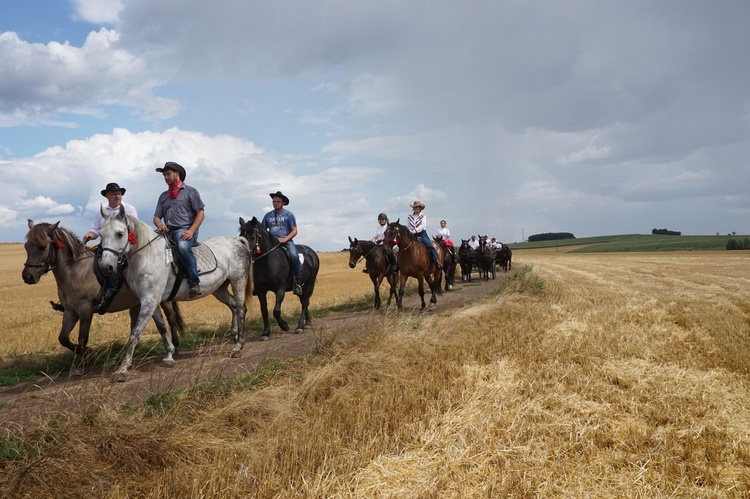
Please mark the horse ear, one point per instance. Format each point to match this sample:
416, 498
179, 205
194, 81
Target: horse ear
121, 213
52, 228
254, 220
30, 222
242, 222
398, 220
101, 209
350, 240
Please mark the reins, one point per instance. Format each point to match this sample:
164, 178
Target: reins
364, 257
257, 246
47, 265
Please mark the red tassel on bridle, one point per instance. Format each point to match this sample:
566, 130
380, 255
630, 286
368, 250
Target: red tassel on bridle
131, 238
58, 244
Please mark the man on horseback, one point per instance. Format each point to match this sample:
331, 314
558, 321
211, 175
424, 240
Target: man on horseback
111, 285
417, 225
180, 211
282, 224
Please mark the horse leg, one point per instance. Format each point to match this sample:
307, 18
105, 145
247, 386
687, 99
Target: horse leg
277, 311
421, 292
401, 290
305, 302
376, 284
264, 314
173, 316
144, 315
81, 349
236, 304
162, 328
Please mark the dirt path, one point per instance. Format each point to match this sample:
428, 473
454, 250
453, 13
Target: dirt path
23, 403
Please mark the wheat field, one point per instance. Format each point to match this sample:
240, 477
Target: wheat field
613, 375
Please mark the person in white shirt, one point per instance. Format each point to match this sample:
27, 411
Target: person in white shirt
114, 193
473, 243
111, 285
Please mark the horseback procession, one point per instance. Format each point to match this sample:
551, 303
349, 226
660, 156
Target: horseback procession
149, 270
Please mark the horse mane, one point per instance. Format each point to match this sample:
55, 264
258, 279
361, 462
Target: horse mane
366, 243
38, 235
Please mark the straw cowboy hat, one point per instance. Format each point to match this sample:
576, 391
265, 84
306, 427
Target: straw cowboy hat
171, 165
417, 203
278, 194
112, 186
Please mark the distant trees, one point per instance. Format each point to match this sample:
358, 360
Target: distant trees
666, 232
550, 236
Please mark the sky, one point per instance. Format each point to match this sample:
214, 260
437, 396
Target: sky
504, 117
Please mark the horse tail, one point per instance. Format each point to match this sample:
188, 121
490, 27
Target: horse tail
178, 318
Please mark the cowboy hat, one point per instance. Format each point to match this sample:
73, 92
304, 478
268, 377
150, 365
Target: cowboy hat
417, 203
171, 165
112, 186
278, 194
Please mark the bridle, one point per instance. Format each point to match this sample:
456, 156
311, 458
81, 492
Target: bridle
364, 256
257, 254
123, 255
50, 250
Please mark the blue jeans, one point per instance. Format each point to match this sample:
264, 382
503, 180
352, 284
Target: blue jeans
426, 240
291, 250
186, 252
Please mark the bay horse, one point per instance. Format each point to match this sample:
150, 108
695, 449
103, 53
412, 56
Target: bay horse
486, 261
272, 272
414, 260
377, 265
146, 257
449, 264
467, 257
51, 247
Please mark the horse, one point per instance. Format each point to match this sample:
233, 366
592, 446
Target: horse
147, 259
503, 257
414, 260
449, 265
273, 272
467, 257
51, 247
486, 262
377, 265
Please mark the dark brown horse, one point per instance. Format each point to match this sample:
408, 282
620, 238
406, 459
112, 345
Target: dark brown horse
450, 262
414, 260
467, 256
377, 265
504, 257
50, 247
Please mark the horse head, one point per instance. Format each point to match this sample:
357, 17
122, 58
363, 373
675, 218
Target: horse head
355, 252
392, 234
117, 240
47, 245
256, 235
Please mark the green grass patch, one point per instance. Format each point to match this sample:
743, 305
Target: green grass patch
631, 243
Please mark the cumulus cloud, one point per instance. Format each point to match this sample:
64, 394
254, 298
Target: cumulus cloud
43, 82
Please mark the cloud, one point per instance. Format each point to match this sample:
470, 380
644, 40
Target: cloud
43, 82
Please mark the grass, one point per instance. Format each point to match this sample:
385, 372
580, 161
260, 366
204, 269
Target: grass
631, 243
583, 375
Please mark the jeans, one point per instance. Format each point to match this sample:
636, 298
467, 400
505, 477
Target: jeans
291, 250
186, 252
426, 240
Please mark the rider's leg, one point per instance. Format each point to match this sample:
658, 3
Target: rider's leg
291, 250
188, 258
431, 248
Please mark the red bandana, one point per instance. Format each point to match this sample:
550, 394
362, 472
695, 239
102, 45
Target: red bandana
174, 189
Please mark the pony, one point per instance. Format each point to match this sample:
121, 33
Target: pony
51, 247
147, 259
467, 257
504, 257
414, 260
377, 265
449, 265
273, 272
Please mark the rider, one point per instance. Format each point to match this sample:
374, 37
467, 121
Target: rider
282, 224
390, 254
180, 211
445, 235
417, 224
111, 285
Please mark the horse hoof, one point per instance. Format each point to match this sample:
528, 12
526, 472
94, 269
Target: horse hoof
120, 377
265, 337
299, 330
168, 362
285, 327
236, 354
76, 372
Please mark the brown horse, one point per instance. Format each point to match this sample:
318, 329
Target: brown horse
50, 247
414, 260
377, 265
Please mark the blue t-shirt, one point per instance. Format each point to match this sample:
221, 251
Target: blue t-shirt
279, 224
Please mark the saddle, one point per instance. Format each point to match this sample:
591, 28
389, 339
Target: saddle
205, 262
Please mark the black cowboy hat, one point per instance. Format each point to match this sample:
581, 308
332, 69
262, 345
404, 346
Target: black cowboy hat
175, 167
278, 194
112, 186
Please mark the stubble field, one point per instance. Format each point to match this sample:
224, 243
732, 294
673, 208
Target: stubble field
613, 375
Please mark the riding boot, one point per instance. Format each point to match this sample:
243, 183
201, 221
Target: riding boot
438, 265
109, 289
297, 289
194, 289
